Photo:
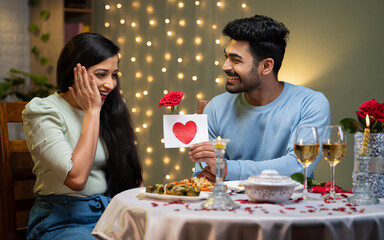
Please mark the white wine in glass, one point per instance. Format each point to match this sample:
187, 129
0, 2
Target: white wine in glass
333, 147
306, 153
306, 149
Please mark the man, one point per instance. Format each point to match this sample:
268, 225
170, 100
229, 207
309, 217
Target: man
259, 113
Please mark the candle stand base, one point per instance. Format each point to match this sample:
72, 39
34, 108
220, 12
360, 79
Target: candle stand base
363, 194
362, 199
219, 199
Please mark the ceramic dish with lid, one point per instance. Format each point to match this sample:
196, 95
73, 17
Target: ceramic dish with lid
269, 187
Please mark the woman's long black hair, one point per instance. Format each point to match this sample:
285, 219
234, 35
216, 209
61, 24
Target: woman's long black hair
124, 169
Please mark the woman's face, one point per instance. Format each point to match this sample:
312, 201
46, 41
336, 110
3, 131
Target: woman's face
106, 75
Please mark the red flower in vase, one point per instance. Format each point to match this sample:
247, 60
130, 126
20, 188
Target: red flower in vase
374, 110
366, 108
378, 112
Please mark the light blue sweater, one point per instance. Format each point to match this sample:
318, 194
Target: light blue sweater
262, 137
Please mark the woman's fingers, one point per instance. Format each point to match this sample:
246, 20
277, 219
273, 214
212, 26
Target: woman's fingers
84, 89
92, 83
82, 78
77, 75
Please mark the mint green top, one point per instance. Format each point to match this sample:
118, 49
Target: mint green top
52, 128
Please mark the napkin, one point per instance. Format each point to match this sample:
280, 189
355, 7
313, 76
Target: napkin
327, 187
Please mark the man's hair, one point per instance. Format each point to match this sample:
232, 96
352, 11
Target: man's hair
267, 37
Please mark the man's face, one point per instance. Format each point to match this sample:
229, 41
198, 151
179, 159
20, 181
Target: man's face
240, 67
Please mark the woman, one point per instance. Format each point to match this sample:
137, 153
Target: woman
81, 141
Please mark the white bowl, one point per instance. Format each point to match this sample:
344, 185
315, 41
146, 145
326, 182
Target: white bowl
269, 187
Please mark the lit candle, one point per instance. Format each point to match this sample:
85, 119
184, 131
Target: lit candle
366, 137
219, 144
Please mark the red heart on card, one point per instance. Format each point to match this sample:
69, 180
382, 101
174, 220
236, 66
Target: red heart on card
185, 133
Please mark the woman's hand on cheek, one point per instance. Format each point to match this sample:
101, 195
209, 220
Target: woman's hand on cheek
84, 89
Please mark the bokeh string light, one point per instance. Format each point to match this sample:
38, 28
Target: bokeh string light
166, 46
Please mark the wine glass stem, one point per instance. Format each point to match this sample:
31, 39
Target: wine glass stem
305, 191
332, 191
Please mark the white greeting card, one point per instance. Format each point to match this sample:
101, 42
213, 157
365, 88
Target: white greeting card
184, 130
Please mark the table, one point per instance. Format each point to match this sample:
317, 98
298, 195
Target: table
132, 217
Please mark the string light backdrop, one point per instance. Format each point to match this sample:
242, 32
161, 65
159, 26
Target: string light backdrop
166, 46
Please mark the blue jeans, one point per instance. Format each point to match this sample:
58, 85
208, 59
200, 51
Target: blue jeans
65, 217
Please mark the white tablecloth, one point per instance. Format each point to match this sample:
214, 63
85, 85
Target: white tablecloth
132, 217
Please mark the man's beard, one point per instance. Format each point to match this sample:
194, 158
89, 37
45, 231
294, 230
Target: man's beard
253, 82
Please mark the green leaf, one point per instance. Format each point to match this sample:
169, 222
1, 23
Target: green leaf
43, 60
15, 71
351, 125
50, 86
23, 97
4, 87
39, 79
33, 28
363, 122
41, 93
44, 15
45, 37
317, 183
299, 177
18, 81
35, 50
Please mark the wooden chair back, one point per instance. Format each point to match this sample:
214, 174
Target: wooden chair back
17, 180
201, 105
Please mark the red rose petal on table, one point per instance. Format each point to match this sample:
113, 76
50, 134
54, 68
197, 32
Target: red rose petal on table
290, 208
248, 209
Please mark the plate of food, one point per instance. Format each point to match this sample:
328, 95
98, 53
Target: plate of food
192, 189
202, 196
235, 186
201, 183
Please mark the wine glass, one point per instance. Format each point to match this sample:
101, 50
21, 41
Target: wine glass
333, 147
306, 149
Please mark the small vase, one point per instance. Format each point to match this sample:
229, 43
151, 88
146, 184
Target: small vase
376, 164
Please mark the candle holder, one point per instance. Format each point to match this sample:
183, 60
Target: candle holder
362, 192
219, 199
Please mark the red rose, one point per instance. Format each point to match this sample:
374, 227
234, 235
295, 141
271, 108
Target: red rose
171, 99
360, 114
366, 108
378, 112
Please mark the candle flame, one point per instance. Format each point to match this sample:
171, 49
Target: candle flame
218, 138
366, 137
